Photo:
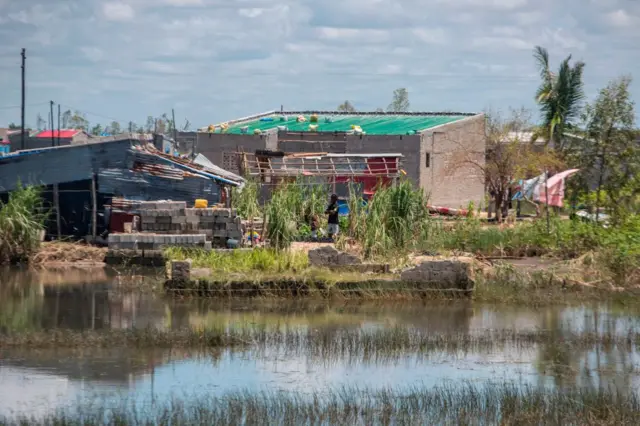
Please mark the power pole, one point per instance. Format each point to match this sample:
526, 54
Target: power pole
24, 58
53, 135
58, 124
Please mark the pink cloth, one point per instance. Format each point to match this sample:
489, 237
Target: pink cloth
555, 185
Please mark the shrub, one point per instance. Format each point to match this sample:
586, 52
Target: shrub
21, 223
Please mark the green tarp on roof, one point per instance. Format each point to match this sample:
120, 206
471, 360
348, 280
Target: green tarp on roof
383, 124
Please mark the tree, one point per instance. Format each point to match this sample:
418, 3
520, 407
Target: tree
78, 121
508, 158
379, 110
96, 130
14, 126
151, 124
66, 118
400, 102
346, 106
132, 127
559, 96
114, 128
41, 124
610, 147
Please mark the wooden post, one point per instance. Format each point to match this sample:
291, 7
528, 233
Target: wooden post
94, 208
56, 206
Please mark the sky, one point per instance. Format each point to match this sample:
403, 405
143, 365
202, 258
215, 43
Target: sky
215, 60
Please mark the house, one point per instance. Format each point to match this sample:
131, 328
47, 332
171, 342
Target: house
431, 144
49, 138
125, 168
65, 136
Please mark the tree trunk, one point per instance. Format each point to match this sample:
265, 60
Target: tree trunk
498, 200
600, 181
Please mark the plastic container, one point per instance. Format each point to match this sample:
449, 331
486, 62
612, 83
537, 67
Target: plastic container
201, 204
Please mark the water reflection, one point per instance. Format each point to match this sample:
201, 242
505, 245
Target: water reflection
32, 301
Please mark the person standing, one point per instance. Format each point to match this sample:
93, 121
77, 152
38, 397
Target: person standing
332, 211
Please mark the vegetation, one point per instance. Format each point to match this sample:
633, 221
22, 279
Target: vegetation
347, 107
400, 101
256, 260
560, 96
21, 223
395, 218
505, 404
292, 205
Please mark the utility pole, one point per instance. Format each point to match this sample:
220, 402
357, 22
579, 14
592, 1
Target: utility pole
58, 124
53, 133
24, 58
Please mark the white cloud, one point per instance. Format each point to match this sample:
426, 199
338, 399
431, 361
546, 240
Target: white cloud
253, 55
92, 53
250, 13
430, 35
502, 42
619, 18
117, 11
365, 35
183, 2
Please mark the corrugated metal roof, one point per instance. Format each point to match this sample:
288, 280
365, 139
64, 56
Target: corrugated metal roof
54, 133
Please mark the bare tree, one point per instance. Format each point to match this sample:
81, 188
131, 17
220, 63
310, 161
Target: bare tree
509, 156
347, 106
400, 102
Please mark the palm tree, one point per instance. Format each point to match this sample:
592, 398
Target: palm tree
560, 96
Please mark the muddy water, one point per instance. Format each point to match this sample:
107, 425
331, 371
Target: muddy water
39, 382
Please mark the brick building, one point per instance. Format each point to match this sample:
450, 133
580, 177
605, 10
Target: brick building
437, 147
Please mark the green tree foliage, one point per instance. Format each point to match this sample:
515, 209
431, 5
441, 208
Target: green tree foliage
610, 149
400, 101
96, 130
560, 96
78, 121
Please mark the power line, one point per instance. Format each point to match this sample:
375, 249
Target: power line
20, 106
93, 113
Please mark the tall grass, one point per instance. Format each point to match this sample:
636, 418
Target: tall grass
21, 223
245, 200
258, 259
504, 404
291, 205
391, 223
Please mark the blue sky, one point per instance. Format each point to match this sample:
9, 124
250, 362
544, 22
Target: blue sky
213, 60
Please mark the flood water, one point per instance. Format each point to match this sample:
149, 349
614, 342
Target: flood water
37, 382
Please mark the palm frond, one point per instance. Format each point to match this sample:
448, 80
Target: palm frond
542, 59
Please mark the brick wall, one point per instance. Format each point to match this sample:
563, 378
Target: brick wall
451, 179
213, 146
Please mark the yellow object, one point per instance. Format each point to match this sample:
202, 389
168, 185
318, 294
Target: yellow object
257, 132
313, 118
224, 127
201, 204
313, 127
211, 128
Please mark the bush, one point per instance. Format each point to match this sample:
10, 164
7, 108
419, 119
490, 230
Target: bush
21, 223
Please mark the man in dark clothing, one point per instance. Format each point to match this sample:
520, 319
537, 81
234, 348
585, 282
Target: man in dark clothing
332, 211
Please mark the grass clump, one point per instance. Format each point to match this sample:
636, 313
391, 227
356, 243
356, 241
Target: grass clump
503, 403
291, 208
395, 218
258, 259
21, 223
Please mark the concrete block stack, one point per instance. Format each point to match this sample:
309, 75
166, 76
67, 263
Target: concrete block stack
216, 223
156, 241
